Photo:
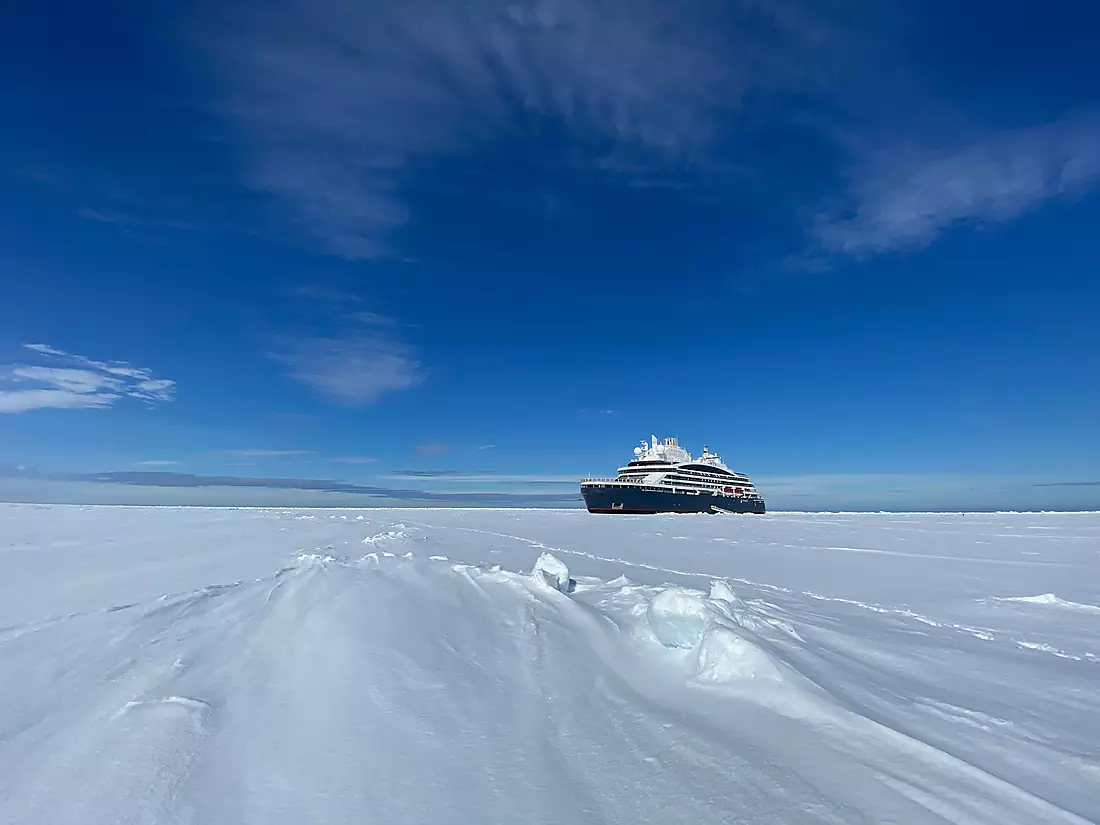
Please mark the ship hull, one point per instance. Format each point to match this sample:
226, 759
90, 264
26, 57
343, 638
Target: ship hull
621, 498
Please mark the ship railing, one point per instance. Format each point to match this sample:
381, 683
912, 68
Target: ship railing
670, 487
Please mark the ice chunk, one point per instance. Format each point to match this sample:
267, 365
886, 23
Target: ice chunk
551, 571
386, 536
722, 592
314, 558
714, 626
678, 617
726, 656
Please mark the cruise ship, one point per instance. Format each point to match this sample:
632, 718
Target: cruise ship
664, 478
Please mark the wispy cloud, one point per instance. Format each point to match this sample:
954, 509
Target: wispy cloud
359, 358
904, 197
353, 459
156, 462
356, 370
340, 102
67, 381
143, 201
257, 453
1070, 484
89, 214
486, 446
343, 107
132, 220
484, 477
233, 489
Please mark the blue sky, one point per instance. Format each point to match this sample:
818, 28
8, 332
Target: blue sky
466, 252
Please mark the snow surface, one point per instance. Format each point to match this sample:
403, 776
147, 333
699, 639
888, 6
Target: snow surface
477, 666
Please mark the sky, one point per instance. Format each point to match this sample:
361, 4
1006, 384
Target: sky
465, 253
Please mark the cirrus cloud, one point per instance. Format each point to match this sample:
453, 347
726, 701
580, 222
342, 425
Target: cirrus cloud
354, 371
259, 453
904, 197
68, 381
357, 358
342, 103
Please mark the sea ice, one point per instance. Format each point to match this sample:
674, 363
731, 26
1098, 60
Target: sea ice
163, 665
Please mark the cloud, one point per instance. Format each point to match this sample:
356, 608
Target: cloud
353, 459
1070, 484
355, 371
253, 453
25, 400
340, 103
360, 359
80, 383
345, 110
156, 462
44, 349
904, 198
486, 446
234, 489
482, 477
89, 214
433, 448
146, 224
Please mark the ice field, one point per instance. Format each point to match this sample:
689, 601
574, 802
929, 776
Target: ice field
192, 665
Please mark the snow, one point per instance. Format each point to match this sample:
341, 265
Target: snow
1051, 599
193, 665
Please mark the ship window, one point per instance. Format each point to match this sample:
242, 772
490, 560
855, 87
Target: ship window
704, 469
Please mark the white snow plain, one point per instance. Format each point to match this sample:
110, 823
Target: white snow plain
162, 665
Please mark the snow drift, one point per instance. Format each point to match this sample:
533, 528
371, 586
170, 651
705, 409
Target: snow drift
1053, 601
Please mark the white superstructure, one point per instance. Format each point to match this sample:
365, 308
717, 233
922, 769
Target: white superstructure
666, 465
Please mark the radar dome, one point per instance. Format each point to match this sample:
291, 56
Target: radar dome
637, 451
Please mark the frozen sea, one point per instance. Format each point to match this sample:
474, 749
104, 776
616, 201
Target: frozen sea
269, 666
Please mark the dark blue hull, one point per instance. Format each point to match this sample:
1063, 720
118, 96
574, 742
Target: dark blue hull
622, 498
